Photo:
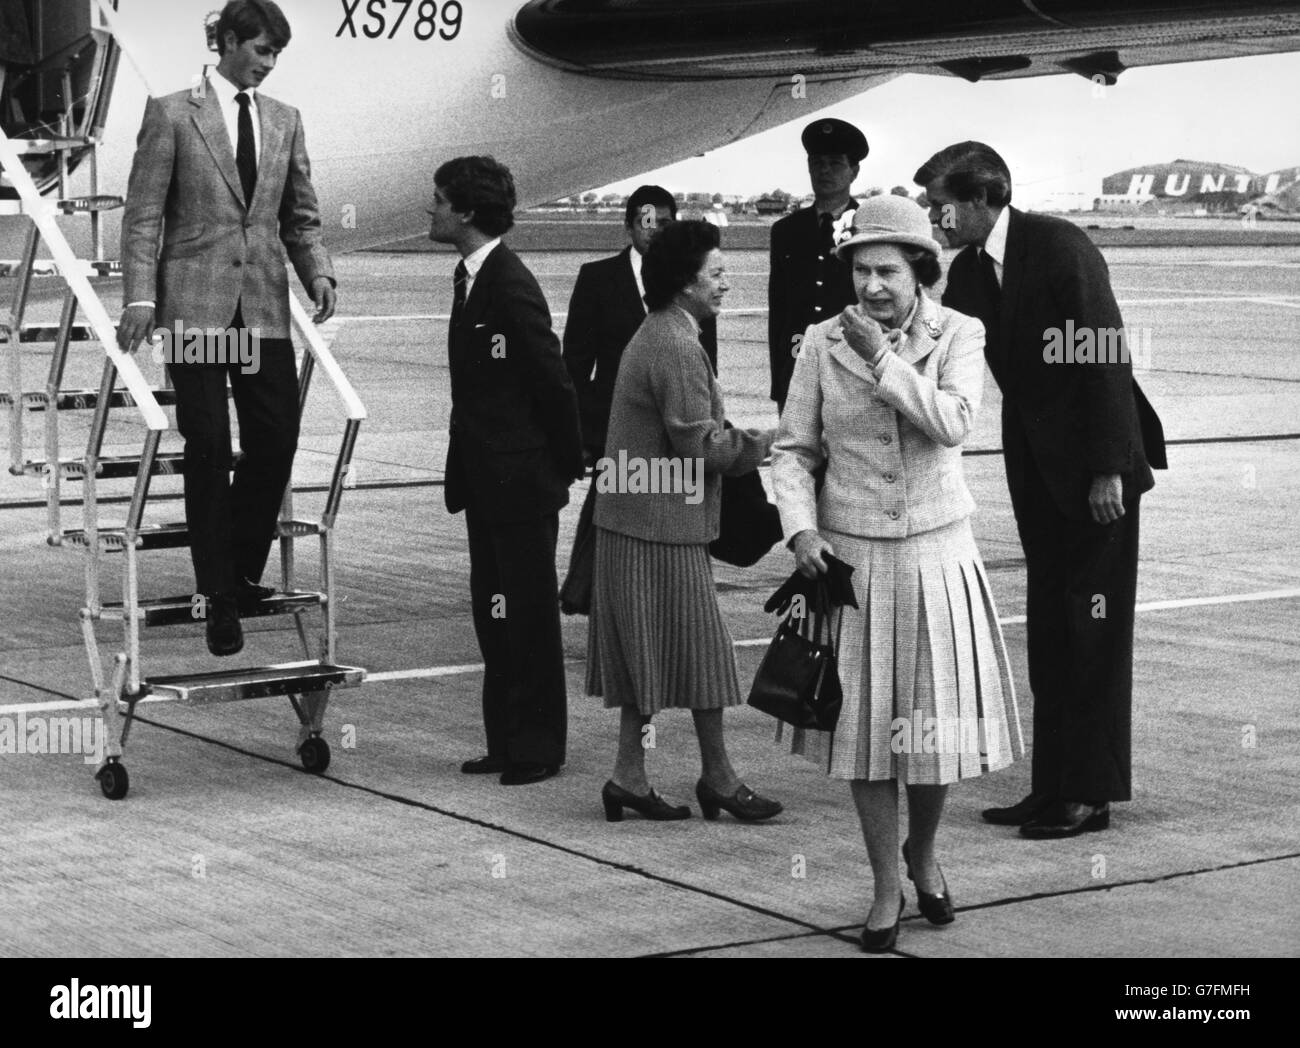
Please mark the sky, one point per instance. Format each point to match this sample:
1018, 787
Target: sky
1055, 134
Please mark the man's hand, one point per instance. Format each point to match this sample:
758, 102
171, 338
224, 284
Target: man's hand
1106, 498
863, 335
808, 549
325, 297
135, 326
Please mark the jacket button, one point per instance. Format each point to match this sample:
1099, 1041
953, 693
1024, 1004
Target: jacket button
892, 514
890, 478
236, 263
885, 438
819, 283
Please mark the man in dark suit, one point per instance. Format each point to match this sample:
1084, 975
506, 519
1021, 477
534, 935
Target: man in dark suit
807, 282
515, 449
221, 184
1079, 440
605, 310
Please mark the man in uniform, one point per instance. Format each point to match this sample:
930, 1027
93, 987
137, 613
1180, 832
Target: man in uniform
807, 283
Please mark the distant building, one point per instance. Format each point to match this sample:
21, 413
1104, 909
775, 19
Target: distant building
1191, 187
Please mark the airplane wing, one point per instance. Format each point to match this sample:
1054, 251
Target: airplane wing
972, 39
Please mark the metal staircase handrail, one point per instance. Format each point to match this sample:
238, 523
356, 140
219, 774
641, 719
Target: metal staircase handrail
42, 214
356, 411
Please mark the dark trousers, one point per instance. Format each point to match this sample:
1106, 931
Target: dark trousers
515, 600
1082, 588
232, 523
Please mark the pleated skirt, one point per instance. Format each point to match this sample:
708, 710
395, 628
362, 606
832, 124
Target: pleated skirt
928, 692
655, 635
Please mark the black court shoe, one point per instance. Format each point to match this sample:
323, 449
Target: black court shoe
883, 940
651, 806
744, 804
937, 909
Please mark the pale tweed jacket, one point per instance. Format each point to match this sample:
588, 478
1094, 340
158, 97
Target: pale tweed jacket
191, 245
667, 405
892, 434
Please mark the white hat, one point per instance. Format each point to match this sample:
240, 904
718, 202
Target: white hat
889, 220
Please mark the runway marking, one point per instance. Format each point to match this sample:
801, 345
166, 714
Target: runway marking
435, 672
1280, 300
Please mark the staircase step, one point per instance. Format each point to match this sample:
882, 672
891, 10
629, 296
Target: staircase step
50, 332
110, 467
112, 538
89, 205
179, 611
292, 678
49, 145
86, 399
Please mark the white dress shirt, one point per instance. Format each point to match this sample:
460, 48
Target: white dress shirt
637, 260
474, 262
995, 245
226, 92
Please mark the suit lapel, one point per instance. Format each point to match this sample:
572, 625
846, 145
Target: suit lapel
846, 355
924, 333
273, 135
1013, 269
212, 129
476, 303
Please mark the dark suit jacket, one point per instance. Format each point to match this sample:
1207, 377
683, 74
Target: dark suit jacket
805, 286
1077, 419
604, 313
515, 446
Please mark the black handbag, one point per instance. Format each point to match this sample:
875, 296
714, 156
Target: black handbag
798, 681
750, 525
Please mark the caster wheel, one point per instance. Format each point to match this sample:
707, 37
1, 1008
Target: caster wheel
113, 781
315, 755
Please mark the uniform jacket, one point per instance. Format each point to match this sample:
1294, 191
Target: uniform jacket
515, 446
1076, 420
667, 406
806, 285
216, 253
891, 435
604, 313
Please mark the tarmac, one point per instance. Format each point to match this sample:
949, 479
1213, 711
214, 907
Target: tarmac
225, 847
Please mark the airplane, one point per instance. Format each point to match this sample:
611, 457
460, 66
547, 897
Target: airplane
575, 95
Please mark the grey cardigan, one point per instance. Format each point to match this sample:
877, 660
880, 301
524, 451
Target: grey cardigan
666, 433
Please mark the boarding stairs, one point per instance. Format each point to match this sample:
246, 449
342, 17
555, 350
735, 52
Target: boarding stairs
123, 388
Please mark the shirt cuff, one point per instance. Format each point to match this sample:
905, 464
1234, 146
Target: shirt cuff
151, 305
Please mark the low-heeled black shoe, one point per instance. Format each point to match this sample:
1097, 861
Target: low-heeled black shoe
249, 595
744, 804
651, 806
1067, 819
225, 635
525, 773
1017, 814
884, 939
488, 765
937, 909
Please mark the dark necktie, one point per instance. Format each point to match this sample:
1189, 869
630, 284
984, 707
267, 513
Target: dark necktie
246, 150
991, 293
460, 285
828, 234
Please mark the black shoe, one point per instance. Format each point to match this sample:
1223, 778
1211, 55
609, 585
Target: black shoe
225, 637
937, 909
651, 806
884, 939
1067, 819
744, 804
524, 773
250, 594
1017, 814
488, 765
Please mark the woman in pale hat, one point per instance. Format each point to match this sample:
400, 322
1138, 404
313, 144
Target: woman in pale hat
884, 394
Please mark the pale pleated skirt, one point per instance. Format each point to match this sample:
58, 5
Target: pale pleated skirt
655, 636
928, 693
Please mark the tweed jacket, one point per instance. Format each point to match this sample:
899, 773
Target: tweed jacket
668, 408
891, 435
604, 313
217, 253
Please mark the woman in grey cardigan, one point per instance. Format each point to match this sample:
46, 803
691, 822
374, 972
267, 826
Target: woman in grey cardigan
884, 394
656, 638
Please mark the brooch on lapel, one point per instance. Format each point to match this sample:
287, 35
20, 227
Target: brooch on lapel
932, 327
